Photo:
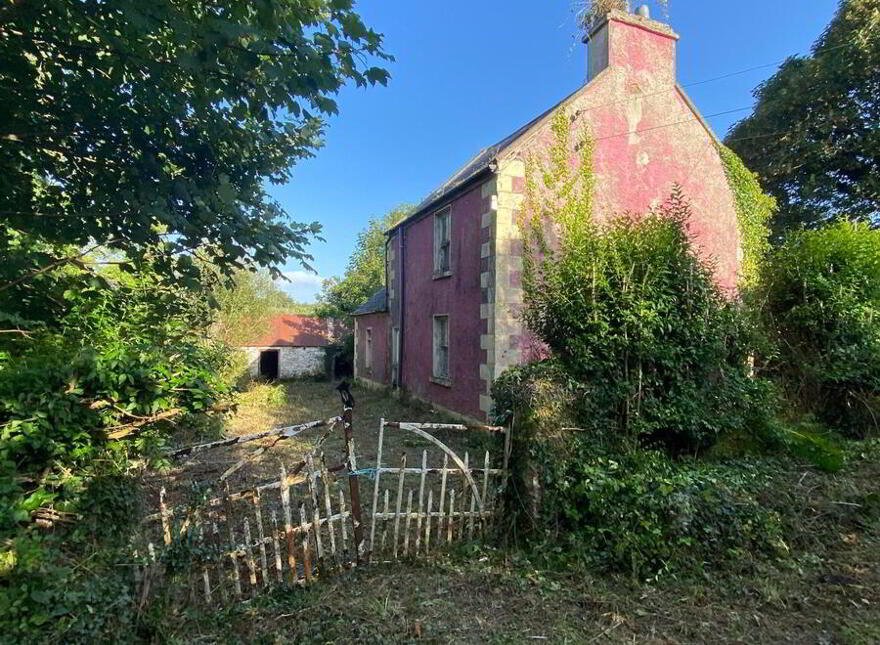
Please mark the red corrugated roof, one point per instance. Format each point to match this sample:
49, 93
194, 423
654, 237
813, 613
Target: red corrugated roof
289, 330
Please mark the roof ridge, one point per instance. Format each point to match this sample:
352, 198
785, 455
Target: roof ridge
479, 163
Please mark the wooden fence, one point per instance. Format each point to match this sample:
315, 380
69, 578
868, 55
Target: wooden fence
308, 522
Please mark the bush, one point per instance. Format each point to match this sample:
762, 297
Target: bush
645, 514
820, 296
630, 311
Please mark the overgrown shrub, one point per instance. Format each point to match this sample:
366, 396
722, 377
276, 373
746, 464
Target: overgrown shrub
643, 513
629, 309
649, 367
820, 297
125, 360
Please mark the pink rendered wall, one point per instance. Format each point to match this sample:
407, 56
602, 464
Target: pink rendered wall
647, 138
458, 295
380, 371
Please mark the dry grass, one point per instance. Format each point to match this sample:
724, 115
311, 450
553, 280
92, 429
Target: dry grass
483, 596
828, 593
265, 406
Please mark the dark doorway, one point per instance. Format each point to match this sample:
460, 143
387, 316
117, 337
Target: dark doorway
269, 364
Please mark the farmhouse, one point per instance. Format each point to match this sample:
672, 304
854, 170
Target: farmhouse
295, 346
447, 325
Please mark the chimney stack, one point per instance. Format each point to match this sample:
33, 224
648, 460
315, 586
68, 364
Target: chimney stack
632, 40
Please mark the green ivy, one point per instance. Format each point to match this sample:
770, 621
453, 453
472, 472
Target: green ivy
754, 210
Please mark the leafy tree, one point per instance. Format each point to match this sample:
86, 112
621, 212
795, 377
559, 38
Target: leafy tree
821, 297
151, 128
814, 138
365, 272
245, 306
136, 140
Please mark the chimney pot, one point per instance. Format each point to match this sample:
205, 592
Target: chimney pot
644, 11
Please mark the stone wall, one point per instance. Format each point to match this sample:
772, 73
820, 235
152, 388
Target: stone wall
293, 362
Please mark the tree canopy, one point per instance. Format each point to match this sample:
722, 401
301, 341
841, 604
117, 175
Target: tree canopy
814, 137
151, 128
365, 272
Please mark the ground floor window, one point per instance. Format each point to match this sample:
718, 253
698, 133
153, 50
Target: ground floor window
368, 349
441, 347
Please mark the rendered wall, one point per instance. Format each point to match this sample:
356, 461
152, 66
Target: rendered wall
380, 369
293, 362
459, 296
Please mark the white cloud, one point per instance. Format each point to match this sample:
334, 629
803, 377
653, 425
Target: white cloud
303, 286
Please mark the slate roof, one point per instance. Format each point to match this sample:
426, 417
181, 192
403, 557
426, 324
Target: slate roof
480, 163
290, 330
377, 303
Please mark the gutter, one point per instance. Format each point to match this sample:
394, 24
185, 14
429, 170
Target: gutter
444, 199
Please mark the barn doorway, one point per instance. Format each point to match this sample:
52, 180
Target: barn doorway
269, 364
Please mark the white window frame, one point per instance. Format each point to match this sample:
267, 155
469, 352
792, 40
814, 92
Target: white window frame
443, 245
438, 342
395, 355
368, 352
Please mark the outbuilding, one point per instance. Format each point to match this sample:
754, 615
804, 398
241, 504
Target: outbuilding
294, 347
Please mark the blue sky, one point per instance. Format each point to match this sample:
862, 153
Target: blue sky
468, 73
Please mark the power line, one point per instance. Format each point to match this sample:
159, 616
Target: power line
675, 86
669, 125
764, 66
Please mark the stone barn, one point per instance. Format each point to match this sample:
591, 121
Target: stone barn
295, 346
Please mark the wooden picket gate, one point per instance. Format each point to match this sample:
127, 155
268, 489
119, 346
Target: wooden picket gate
410, 526
227, 546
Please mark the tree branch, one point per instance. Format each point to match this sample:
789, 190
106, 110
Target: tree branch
54, 265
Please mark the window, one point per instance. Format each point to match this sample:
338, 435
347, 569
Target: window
395, 354
442, 249
368, 353
441, 348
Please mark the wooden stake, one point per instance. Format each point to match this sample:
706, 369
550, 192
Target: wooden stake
166, 517
451, 516
400, 479
279, 568
288, 526
258, 517
442, 496
428, 520
376, 484
409, 501
236, 576
328, 509
385, 520
421, 499
485, 500
206, 579
307, 557
353, 486
316, 509
221, 574
342, 525
249, 553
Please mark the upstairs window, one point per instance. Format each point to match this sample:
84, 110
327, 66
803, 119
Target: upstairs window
441, 348
442, 247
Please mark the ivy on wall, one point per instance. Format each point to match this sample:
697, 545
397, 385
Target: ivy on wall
754, 209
